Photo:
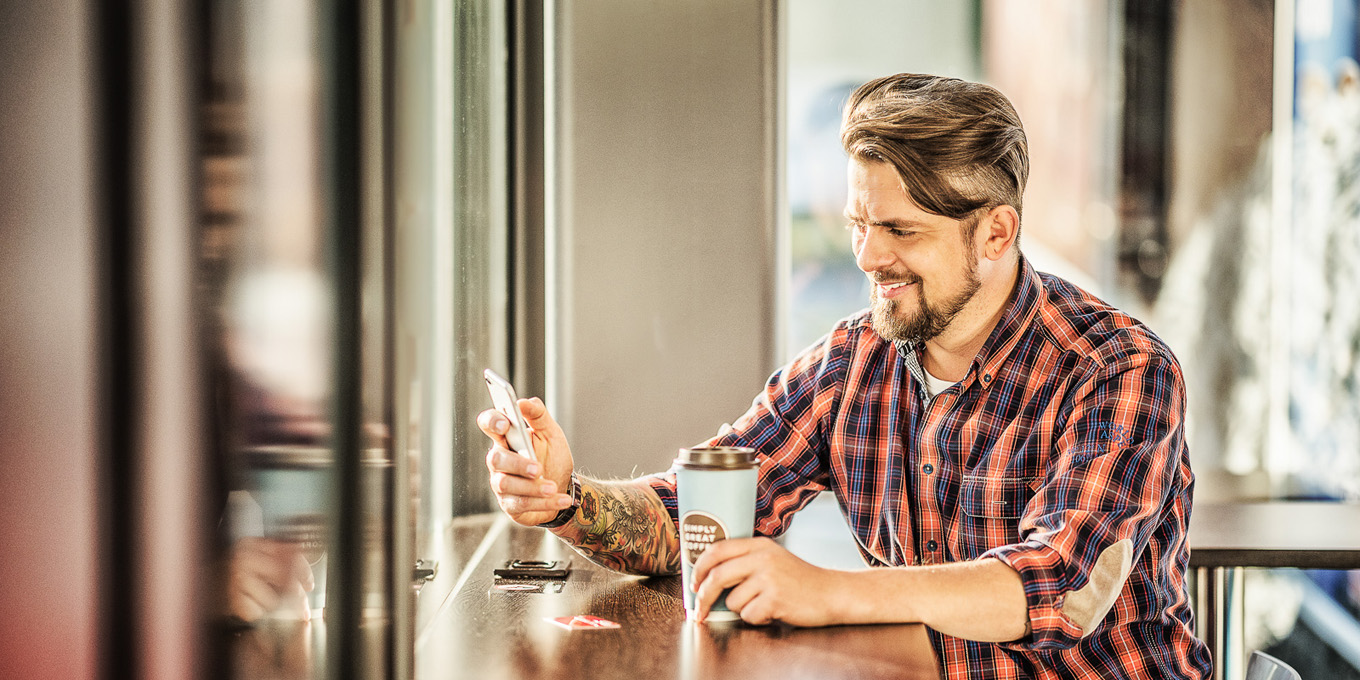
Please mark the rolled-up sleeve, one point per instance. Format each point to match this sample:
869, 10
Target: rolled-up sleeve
785, 426
1114, 464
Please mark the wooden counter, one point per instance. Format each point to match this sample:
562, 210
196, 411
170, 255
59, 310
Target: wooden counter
472, 630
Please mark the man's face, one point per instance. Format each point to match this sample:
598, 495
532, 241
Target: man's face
923, 272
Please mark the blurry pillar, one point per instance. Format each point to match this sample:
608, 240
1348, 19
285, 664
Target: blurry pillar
48, 424
103, 498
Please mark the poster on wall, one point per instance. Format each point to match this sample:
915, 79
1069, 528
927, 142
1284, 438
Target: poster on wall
1324, 271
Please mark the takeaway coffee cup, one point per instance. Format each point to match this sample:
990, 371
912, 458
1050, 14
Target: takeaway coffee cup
716, 489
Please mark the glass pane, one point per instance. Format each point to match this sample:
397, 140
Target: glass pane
424, 345
1324, 247
830, 53
272, 304
451, 253
271, 287
480, 234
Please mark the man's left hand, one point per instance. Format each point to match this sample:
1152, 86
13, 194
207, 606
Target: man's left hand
768, 584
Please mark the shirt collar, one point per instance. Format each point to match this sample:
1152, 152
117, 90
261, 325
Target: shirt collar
1020, 312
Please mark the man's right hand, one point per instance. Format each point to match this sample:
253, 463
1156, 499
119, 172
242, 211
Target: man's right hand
263, 575
530, 491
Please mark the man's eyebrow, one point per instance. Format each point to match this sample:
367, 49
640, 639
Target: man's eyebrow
890, 224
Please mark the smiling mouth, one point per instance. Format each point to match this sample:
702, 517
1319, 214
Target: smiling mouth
889, 290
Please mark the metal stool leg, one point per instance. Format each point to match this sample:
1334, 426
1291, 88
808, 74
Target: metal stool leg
1209, 614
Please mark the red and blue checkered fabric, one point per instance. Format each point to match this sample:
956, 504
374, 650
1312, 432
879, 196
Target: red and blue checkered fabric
1065, 438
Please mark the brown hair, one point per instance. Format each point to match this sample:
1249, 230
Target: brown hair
957, 146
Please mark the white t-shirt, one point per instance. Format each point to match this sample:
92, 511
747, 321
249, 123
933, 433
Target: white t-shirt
934, 385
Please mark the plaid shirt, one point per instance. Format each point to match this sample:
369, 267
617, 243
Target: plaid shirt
1061, 453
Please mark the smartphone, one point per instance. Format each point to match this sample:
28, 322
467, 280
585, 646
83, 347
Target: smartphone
533, 569
503, 398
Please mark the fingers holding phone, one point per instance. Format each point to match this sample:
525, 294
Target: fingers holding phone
527, 490
529, 461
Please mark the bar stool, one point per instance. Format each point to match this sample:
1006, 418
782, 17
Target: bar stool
1263, 666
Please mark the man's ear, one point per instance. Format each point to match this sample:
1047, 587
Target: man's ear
998, 231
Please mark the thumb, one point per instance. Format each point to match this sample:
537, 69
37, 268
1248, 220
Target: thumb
536, 414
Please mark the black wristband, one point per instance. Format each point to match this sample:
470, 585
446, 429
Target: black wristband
569, 511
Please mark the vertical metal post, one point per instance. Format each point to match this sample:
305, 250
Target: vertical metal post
1199, 587
1219, 607
1210, 603
177, 495
1234, 626
119, 396
400, 546
57, 560
342, 190
158, 484
525, 173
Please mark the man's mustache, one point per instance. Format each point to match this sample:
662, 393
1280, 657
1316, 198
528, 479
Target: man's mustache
893, 277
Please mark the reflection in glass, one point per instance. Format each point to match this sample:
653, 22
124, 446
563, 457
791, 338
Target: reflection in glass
271, 304
432, 193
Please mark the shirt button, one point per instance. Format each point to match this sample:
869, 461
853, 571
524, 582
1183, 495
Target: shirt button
932, 546
986, 377
927, 468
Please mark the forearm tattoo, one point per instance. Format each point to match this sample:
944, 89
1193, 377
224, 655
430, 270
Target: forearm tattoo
623, 526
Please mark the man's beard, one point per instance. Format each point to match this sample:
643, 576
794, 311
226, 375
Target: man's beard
928, 321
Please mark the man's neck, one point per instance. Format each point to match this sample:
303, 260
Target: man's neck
949, 354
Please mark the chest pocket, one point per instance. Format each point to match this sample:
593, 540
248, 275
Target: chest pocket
990, 513
993, 498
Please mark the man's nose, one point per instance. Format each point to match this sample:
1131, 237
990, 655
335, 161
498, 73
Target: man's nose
872, 254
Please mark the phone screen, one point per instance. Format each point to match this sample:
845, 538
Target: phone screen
504, 400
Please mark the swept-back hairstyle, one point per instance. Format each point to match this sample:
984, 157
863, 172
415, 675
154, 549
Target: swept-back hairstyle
957, 146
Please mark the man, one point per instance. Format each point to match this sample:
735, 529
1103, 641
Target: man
1008, 450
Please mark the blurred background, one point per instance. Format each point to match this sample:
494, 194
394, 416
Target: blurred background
258, 252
